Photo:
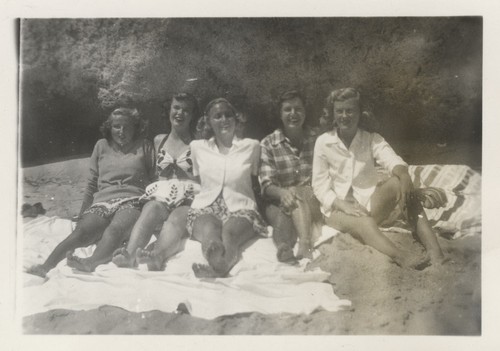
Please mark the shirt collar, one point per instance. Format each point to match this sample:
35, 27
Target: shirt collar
236, 142
332, 137
278, 136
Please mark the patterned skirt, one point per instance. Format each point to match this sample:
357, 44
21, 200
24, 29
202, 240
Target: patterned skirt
106, 209
219, 210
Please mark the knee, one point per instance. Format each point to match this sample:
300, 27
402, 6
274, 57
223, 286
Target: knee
82, 235
393, 185
206, 225
178, 219
115, 232
234, 227
367, 223
153, 208
275, 215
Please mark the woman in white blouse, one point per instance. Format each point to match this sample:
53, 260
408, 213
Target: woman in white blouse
223, 216
346, 184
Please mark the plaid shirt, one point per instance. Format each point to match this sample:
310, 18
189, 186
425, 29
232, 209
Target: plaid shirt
283, 164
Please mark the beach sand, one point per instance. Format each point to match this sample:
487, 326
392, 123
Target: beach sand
386, 299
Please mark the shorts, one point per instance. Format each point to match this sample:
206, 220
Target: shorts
172, 193
219, 210
106, 209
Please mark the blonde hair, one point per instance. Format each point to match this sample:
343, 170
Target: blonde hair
205, 130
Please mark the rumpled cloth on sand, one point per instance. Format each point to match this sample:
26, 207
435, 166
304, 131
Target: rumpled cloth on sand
461, 216
258, 283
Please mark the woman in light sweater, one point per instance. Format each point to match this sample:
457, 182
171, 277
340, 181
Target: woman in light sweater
121, 166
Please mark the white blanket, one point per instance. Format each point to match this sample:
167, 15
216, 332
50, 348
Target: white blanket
258, 283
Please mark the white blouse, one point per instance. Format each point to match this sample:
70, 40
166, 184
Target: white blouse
229, 175
336, 169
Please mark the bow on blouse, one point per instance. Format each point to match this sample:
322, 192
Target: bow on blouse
173, 171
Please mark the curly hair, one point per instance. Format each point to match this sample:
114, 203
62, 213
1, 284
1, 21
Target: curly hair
366, 121
141, 125
184, 97
204, 128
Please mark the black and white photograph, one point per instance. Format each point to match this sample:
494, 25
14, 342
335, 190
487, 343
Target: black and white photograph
251, 175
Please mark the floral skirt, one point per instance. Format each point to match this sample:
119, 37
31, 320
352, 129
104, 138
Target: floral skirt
219, 210
107, 209
172, 192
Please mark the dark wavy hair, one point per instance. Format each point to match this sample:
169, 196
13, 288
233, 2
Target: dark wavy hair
204, 129
367, 120
141, 125
184, 97
289, 95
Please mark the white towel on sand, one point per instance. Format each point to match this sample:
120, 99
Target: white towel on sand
258, 283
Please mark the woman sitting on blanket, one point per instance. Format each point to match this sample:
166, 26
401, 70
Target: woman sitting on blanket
169, 197
223, 216
285, 178
121, 166
345, 182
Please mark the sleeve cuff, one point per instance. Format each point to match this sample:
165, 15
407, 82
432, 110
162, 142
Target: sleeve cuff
328, 200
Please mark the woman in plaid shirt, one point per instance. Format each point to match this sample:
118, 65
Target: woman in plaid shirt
285, 177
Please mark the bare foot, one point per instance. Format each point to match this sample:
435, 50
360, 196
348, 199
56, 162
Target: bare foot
205, 271
38, 270
304, 251
215, 249
412, 261
285, 254
154, 262
79, 263
438, 259
122, 258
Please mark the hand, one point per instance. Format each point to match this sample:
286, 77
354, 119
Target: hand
289, 199
350, 208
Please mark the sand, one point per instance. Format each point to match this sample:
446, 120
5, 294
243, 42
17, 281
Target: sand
386, 299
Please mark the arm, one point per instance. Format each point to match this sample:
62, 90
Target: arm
387, 158
91, 188
150, 156
321, 183
321, 180
268, 173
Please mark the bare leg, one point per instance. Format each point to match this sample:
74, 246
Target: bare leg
152, 215
169, 242
302, 220
366, 230
207, 229
88, 230
383, 201
116, 232
424, 231
235, 232
284, 234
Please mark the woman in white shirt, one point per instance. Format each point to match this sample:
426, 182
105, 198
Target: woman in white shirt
223, 216
346, 184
